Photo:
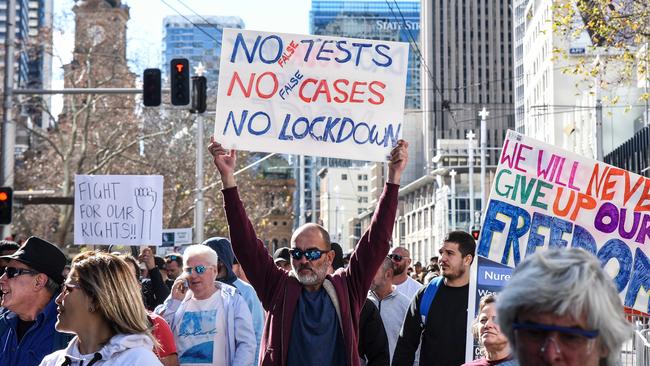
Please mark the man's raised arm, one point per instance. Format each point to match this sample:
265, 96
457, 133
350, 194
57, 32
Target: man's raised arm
374, 244
250, 252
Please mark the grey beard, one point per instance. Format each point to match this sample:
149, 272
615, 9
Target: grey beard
313, 278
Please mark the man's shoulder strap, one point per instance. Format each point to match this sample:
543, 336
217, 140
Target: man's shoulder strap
428, 296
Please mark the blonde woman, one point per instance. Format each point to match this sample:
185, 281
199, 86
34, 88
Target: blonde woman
101, 304
495, 346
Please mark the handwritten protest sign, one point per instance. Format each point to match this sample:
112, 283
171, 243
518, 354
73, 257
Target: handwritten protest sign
544, 197
310, 95
118, 209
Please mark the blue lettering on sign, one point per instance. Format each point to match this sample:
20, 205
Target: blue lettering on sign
633, 271
493, 276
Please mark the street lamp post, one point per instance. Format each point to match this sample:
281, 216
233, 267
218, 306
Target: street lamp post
483, 114
452, 174
470, 161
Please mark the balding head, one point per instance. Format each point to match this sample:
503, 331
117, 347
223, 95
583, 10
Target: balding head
401, 258
310, 237
317, 237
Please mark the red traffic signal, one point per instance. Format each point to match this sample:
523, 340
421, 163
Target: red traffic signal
180, 81
6, 205
475, 234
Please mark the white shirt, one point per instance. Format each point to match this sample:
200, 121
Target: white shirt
201, 333
409, 288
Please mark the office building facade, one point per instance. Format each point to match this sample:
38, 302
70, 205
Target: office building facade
197, 39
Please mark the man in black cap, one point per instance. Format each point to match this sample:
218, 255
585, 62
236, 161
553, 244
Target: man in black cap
29, 286
281, 259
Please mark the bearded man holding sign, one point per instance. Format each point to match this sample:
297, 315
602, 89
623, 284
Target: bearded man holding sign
312, 317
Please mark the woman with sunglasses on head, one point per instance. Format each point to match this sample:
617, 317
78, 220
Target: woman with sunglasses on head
210, 320
101, 304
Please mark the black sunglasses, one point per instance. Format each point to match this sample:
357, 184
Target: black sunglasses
395, 257
311, 254
13, 272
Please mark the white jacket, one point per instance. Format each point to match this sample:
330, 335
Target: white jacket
122, 349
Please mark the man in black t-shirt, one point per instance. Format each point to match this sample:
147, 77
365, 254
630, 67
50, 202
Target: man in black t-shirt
443, 332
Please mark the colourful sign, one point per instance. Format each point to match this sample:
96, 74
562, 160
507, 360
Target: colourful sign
545, 197
310, 95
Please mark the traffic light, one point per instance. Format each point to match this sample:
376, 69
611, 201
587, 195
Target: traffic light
6, 205
180, 80
476, 233
199, 94
151, 87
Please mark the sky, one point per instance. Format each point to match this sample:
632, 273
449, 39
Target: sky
144, 33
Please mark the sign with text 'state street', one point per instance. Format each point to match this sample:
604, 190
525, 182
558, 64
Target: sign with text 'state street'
118, 209
310, 95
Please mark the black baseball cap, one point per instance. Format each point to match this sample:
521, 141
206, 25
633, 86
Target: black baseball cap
41, 256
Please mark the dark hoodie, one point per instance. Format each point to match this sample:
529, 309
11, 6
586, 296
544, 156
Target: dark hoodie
226, 256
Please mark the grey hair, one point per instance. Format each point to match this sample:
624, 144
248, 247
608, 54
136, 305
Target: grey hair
52, 286
386, 265
566, 282
203, 251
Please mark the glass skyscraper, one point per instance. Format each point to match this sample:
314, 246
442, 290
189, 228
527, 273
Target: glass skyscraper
198, 40
391, 20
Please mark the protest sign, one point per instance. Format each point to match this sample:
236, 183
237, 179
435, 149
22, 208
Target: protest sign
176, 237
310, 95
488, 277
118, 209
544, 197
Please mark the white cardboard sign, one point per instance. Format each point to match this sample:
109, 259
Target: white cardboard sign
310, 95
118, 209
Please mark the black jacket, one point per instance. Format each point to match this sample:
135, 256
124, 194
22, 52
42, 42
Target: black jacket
154, 289
373, 342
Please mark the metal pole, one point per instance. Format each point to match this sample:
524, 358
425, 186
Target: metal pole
80, 91
470, 162
599, 127
452, 174
312, 176
301, 191
198, 207
8, 125
483, 114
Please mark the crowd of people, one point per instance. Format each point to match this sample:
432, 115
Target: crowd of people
228, 302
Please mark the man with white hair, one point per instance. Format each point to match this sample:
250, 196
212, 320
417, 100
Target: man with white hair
561, 308
211, 322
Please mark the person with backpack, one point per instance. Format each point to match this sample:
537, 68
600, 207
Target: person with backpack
437, 317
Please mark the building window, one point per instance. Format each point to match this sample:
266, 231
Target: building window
363, 200
344, 177
362, 188
362, 177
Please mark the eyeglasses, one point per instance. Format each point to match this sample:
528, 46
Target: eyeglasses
13, 272
311, 254
197, 269
567, 339
396, 257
